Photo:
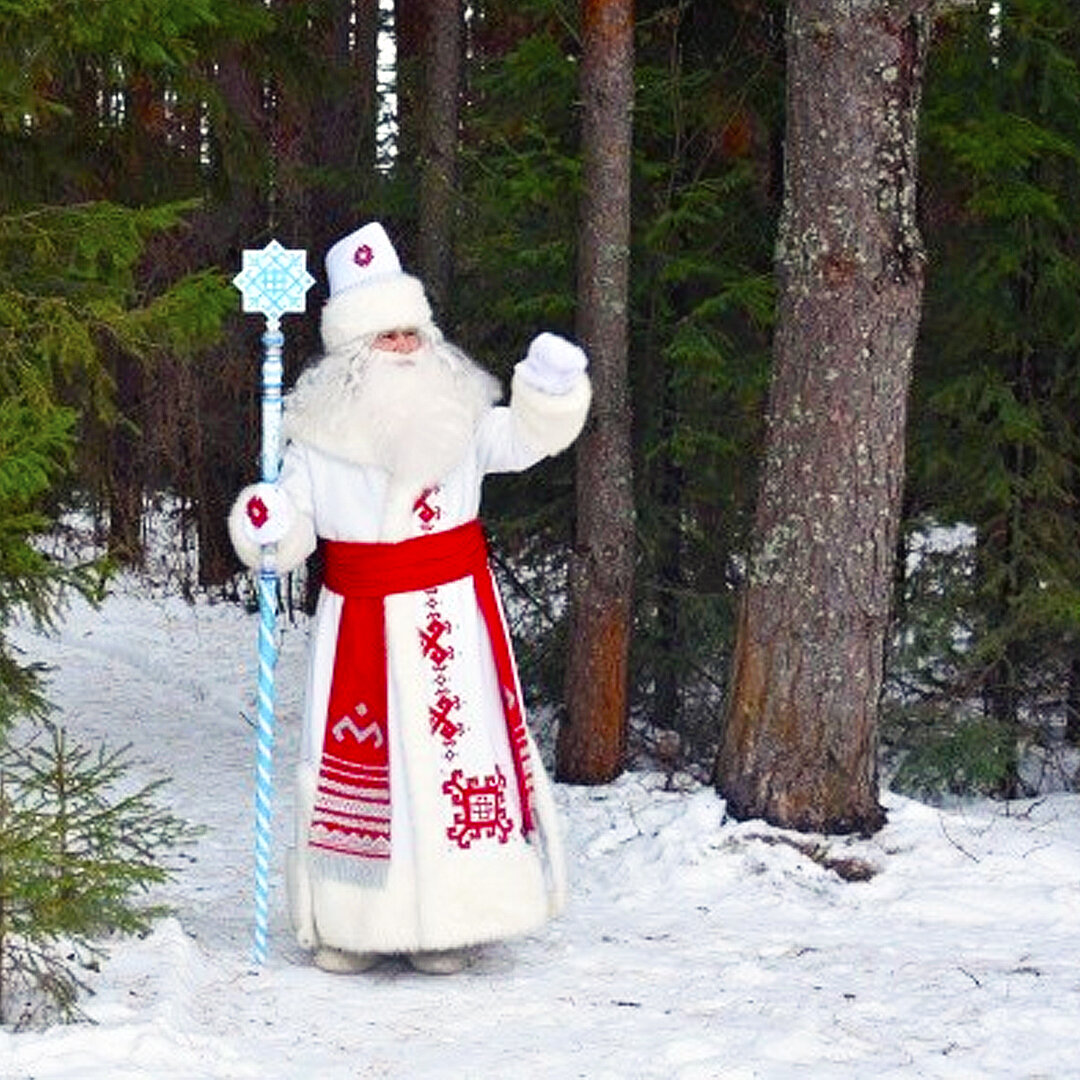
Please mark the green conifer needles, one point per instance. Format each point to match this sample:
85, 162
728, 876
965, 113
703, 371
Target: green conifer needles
80, 852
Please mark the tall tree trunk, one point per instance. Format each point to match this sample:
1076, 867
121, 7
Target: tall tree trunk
126, 464
1072, 688
1072, 703
998, 560
592, 736
343, 137
224, 397
410, 29
365, 64
438, 150
670, 485
799, 745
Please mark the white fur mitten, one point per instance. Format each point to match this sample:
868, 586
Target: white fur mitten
552, 365
267, 514
263, 514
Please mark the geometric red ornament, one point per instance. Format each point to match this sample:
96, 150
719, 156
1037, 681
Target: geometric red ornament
257, 512
481, 808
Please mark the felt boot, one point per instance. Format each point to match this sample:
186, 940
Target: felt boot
343, 963
440, 962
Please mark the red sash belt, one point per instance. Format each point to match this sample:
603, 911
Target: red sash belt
352, 802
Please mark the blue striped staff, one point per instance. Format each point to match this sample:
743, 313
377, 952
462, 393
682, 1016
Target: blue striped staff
273, 282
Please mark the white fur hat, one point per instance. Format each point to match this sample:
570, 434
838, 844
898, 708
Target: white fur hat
369, 292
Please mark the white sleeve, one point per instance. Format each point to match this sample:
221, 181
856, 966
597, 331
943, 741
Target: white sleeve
533, 426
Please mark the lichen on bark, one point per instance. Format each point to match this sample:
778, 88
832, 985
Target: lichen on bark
799, 737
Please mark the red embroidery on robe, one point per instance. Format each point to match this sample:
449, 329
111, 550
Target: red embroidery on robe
426, 511
481, 808
441, 724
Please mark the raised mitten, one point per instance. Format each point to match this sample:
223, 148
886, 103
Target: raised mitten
552, 365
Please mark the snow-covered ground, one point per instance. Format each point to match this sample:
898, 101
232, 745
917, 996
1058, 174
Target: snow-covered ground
693, 948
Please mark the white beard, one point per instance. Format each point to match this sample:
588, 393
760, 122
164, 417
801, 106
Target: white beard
412, 414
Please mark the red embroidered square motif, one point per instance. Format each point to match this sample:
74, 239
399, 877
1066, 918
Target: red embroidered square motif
481, 808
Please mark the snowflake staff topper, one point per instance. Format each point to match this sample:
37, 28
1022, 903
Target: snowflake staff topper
274, 281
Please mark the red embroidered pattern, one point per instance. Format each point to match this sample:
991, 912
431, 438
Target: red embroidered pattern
481, 808
257, 512
431, 640
427, 513
433, 643
439, 654
479, 803
363, 255
441, 724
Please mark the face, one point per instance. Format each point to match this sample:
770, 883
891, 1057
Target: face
402, 342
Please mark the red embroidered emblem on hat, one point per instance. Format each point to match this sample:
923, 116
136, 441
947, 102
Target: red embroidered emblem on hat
257, 512
363, 255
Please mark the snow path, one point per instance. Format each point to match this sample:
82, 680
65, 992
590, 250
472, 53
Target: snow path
692, 949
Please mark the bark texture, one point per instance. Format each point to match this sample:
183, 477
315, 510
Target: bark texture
410, 31
439, 145
799, 745
592, 736
343, 124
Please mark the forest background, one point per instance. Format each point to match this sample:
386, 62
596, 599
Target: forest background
144, 144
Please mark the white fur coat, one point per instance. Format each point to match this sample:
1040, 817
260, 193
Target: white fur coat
444, 888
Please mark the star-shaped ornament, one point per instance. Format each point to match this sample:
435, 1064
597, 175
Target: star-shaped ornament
274, 281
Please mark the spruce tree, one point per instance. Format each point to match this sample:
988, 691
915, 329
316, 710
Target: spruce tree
709, 111
76, 852
989, 639
80, 841
79, 854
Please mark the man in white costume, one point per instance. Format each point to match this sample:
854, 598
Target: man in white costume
425, 820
